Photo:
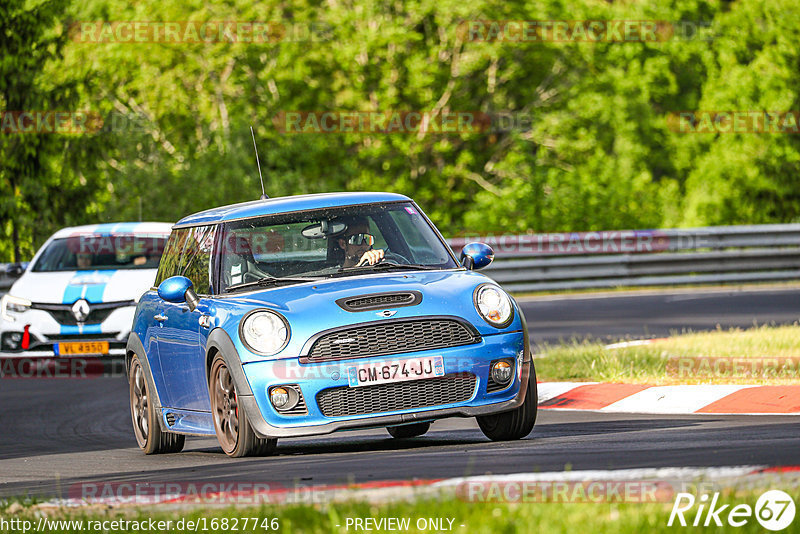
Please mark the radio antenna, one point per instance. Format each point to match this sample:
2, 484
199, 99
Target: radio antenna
258, 164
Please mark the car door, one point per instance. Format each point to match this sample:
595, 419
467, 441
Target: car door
181, 351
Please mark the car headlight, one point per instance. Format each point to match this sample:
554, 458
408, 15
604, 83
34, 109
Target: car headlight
494, 305
265, 332
14, 304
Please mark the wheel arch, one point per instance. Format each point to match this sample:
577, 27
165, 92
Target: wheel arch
219, 342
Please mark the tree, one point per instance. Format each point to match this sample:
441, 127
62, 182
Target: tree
45, 178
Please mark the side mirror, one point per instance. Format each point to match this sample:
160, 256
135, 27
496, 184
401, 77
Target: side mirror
15, 270
476, 256
178, 289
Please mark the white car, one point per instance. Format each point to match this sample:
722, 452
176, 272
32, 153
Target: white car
78, 294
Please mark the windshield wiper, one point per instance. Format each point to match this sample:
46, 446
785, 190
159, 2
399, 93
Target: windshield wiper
388, 265
269, 281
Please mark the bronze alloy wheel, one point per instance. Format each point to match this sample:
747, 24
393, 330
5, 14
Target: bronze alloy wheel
149, 436
224, 406
140, 404
234, 433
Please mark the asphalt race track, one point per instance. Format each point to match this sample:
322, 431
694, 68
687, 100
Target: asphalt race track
55, 433
615, 316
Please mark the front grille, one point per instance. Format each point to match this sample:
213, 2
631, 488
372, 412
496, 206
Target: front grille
62, 313
65, 317
379, 301
391, 337
347, 401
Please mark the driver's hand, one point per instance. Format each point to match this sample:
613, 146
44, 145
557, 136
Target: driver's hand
370, 257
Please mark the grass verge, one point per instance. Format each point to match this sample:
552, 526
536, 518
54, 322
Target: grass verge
763, 355
453, 515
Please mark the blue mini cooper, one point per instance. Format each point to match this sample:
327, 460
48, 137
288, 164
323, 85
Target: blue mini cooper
305, 315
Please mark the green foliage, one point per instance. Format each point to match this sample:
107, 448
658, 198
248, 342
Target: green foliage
591, 147
46, 180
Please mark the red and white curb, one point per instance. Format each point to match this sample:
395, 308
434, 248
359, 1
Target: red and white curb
559, 484
676, 400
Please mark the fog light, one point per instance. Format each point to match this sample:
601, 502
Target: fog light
501, 372
279, 397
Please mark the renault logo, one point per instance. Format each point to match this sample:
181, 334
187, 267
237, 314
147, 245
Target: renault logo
81, 310
386, 313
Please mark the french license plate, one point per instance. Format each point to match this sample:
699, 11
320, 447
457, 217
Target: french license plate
76, 348
395, 371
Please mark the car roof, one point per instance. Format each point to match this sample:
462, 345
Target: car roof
118, 228
274, 206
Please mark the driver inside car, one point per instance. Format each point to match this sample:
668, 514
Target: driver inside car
357, 242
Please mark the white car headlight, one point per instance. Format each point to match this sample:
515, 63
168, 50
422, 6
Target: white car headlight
494, 305
265, 332
14, 304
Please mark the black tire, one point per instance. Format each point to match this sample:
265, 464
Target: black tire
146, 427
517, 423
408, 431
234, 432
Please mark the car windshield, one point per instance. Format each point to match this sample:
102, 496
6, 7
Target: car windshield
329, 243
101, 252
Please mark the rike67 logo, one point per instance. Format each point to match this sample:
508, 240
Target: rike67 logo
774, 510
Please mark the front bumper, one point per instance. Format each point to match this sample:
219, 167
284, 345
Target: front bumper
44, 333
315, 378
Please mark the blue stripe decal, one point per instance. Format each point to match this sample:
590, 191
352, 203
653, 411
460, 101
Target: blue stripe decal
105, 228
92, 329
126, 228
93, 293
81, 329
74, 291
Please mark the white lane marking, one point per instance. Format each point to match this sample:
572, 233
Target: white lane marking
633, 343
673, 399
660, 473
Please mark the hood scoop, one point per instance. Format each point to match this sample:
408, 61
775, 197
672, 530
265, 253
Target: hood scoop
380, 301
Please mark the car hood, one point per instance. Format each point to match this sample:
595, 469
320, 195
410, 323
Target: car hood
65, 287
311, 307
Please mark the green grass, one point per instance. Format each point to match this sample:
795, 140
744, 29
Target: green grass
659, 362
489, 518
